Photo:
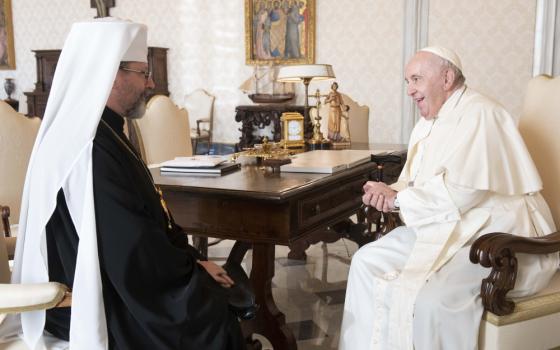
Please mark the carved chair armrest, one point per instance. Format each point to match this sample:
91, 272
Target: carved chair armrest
384, 222
200, 121
18, 298
11, 246
382, 159
5, 212
497, 250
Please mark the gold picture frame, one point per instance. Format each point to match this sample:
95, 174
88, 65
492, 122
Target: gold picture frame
7, 53
279, 32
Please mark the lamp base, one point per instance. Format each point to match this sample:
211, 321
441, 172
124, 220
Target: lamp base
313, 145
341, 145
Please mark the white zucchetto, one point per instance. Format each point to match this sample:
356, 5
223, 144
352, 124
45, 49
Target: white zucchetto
445, 53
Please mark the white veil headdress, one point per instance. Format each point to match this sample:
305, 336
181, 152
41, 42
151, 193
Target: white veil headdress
62, 158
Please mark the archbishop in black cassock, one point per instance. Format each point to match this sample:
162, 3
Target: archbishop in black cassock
156, 295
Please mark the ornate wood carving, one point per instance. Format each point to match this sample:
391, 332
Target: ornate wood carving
497, 250
389, 167
384, 222
5, 211
260, 116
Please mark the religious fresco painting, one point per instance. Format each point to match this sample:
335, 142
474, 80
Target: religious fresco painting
280, 31
7, 55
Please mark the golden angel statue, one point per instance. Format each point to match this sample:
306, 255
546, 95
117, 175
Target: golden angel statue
338, 116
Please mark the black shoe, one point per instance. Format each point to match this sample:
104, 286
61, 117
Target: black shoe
241, 298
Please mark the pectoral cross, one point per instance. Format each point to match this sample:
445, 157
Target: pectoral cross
102, 7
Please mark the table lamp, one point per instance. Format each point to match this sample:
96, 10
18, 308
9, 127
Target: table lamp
305, 73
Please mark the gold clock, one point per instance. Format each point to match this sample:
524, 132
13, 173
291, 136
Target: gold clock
292, 130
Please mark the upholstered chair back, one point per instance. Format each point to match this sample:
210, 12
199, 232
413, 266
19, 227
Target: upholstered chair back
164, 130
533, 323
17, 135
200, 105
358, 120
539, 125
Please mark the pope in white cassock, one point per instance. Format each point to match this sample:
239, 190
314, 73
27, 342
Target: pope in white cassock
468, 173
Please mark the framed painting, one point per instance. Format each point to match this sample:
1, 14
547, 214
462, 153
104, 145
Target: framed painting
7, 55
279, 32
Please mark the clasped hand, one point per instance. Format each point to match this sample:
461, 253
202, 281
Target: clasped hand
379, 195
218, 273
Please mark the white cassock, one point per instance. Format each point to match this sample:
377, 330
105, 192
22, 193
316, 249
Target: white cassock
468, 173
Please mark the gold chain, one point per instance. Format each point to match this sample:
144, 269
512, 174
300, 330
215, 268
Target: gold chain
156, 188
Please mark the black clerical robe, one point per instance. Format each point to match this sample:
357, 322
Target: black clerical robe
156, 295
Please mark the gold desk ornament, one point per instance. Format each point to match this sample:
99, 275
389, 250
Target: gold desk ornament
318, 141
271, 154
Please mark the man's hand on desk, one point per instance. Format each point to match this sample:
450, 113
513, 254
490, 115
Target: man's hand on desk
379, 195
218, 273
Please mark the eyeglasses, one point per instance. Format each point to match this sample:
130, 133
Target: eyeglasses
147, 74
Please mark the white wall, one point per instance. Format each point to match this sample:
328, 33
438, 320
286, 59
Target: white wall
39, 25
495, 41
362, 39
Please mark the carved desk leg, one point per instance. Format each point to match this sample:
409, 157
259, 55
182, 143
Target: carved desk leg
270, 322
327, 235
200, 243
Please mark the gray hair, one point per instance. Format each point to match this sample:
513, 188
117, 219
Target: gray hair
459, 77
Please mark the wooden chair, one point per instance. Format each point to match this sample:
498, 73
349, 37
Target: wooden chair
5, 215
379, 223
527, 323
18, 298
17, 136
200, 105
9, 241
164, 131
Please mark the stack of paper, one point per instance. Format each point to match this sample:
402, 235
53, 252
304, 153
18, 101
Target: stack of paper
198, 165
327, 161
194, 161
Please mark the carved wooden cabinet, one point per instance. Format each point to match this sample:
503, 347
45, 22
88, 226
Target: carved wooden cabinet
46, 64
157, 59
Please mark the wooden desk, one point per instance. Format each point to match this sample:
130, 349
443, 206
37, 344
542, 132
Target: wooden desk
264, 209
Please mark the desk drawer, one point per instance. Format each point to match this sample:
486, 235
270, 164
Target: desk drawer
341, 197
